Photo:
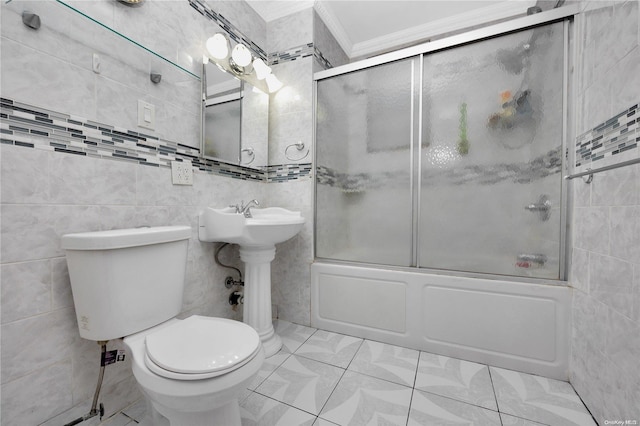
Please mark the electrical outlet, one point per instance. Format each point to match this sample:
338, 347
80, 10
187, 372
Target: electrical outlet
181, 173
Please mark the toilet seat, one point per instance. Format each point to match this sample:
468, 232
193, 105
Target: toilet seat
200, 348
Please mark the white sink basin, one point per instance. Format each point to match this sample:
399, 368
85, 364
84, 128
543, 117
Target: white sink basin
267, 227
257, 237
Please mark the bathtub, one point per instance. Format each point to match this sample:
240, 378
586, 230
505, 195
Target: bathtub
515, 325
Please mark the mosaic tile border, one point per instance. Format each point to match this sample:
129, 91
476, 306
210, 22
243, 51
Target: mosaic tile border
618, 134
234, 33
33, 127
320, 57
287, 172
299, 52
522, 173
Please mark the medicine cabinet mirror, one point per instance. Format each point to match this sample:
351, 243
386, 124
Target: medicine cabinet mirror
235, 119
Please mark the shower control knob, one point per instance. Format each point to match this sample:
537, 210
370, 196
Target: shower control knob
542, 207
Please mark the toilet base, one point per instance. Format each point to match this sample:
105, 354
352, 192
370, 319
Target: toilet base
228, 415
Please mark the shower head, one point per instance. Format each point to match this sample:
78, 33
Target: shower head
514, 60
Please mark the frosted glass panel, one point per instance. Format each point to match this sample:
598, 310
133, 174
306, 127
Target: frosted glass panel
363, 137
484, 194
490, 156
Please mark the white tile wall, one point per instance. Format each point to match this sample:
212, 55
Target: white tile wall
47, 194
290, 271
47, 369
39, 331
67, 82
291, 121
606, 221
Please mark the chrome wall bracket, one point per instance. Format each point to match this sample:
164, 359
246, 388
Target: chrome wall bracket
31, 20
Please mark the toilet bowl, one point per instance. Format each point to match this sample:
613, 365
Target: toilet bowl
194, 370
129, 283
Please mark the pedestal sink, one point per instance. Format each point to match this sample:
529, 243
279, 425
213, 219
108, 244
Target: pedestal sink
257, 237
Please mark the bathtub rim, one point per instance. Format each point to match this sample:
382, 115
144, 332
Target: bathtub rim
445, 272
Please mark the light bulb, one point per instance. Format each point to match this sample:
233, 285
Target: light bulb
262, 70
241, 55
218, 46
273, 83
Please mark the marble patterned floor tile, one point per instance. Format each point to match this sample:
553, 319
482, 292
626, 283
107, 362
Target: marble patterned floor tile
119, 420
363, 400
332, 348
258, 410
388, 362
323, 422
454, 378
244, 394
302, 383
292, 335
428, 409
269, 365
539, 399
137, 410
508, 420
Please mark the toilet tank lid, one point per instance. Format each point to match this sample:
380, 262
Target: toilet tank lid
122, 238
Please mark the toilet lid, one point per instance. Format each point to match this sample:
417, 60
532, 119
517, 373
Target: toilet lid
201, 347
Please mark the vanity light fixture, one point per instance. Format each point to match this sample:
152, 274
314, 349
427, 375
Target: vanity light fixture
241, 55
218, 46
261, 69
273, 83
240, 60
241, 63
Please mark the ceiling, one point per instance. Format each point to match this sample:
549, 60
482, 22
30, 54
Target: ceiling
368, 27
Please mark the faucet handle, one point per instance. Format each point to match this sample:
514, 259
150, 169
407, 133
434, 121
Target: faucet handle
246, 209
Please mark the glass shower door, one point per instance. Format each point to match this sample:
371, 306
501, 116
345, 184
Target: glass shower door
490, 157
364, 155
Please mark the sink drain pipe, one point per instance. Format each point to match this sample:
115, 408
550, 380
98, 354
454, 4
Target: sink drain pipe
94, 406
229, 281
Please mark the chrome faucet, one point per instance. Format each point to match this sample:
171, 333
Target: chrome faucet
245, 209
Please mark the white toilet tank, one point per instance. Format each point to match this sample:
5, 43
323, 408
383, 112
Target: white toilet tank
126, 280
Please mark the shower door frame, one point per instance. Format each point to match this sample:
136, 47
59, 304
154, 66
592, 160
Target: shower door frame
564, 14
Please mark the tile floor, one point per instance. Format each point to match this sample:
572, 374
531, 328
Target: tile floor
321, 378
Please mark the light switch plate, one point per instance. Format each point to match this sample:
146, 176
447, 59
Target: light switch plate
181, 173
146, 115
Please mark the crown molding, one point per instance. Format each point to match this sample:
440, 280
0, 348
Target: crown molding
271, 10
505, 10
334, 26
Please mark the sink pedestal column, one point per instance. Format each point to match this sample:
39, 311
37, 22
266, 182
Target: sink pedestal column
257, 294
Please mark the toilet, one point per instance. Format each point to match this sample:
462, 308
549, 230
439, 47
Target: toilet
128, 284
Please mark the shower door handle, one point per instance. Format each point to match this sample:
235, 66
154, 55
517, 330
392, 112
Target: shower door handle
542, 207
